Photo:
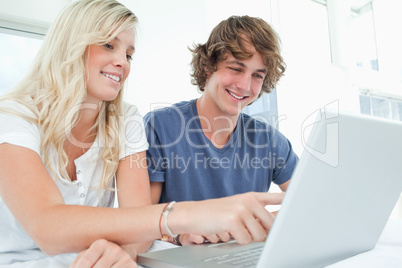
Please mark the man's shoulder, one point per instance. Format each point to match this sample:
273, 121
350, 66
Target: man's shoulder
171, 113
255, 123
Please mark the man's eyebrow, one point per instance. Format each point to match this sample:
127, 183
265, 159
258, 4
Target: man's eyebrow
264, 71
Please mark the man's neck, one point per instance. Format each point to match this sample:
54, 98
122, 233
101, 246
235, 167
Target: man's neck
217, 127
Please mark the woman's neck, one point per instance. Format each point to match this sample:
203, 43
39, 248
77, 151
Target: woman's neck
83, 134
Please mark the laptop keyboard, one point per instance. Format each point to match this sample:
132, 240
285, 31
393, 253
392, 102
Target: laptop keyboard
244, 258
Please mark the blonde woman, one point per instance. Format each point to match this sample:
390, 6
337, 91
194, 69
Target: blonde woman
66, 137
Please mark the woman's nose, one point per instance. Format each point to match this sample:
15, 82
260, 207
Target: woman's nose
121, 60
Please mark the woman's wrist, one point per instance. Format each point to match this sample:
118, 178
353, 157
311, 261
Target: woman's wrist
179, 221
162, 228
169, 208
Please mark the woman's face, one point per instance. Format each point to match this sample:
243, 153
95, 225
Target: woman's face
108, 66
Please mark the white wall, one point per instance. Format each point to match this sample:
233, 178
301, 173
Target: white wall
43, 10
37, 11
160, 70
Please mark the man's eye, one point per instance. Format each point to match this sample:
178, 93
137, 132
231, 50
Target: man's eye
234, 69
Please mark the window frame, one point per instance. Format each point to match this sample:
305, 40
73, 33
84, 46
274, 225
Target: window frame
23, 26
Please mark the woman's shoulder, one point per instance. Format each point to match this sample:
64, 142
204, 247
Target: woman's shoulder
130, 109
22, 106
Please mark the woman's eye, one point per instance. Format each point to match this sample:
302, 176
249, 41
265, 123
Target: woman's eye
129, 57
109, 46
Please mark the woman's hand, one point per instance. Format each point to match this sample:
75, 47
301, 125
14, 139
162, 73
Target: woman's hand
242, 216
103, 253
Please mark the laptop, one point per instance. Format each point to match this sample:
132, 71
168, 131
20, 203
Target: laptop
341, 195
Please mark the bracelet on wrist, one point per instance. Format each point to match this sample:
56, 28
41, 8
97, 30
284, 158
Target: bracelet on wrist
163, 237
176, 240
165, 212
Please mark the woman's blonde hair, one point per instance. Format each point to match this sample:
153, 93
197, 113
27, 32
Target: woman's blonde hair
56, 83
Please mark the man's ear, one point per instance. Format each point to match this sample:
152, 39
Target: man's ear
208, 72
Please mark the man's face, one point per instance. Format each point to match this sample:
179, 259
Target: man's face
235, 84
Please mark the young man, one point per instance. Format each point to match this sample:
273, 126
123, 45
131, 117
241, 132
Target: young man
206, 148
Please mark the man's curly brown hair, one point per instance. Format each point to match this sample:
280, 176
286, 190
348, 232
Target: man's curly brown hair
233, 36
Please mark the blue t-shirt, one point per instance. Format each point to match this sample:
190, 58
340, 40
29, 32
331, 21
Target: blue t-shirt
192, 168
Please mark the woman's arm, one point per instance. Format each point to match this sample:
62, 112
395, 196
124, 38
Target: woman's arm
34, 199
133, 189
156, 191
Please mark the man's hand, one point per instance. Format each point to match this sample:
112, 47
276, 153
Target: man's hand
190, 239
